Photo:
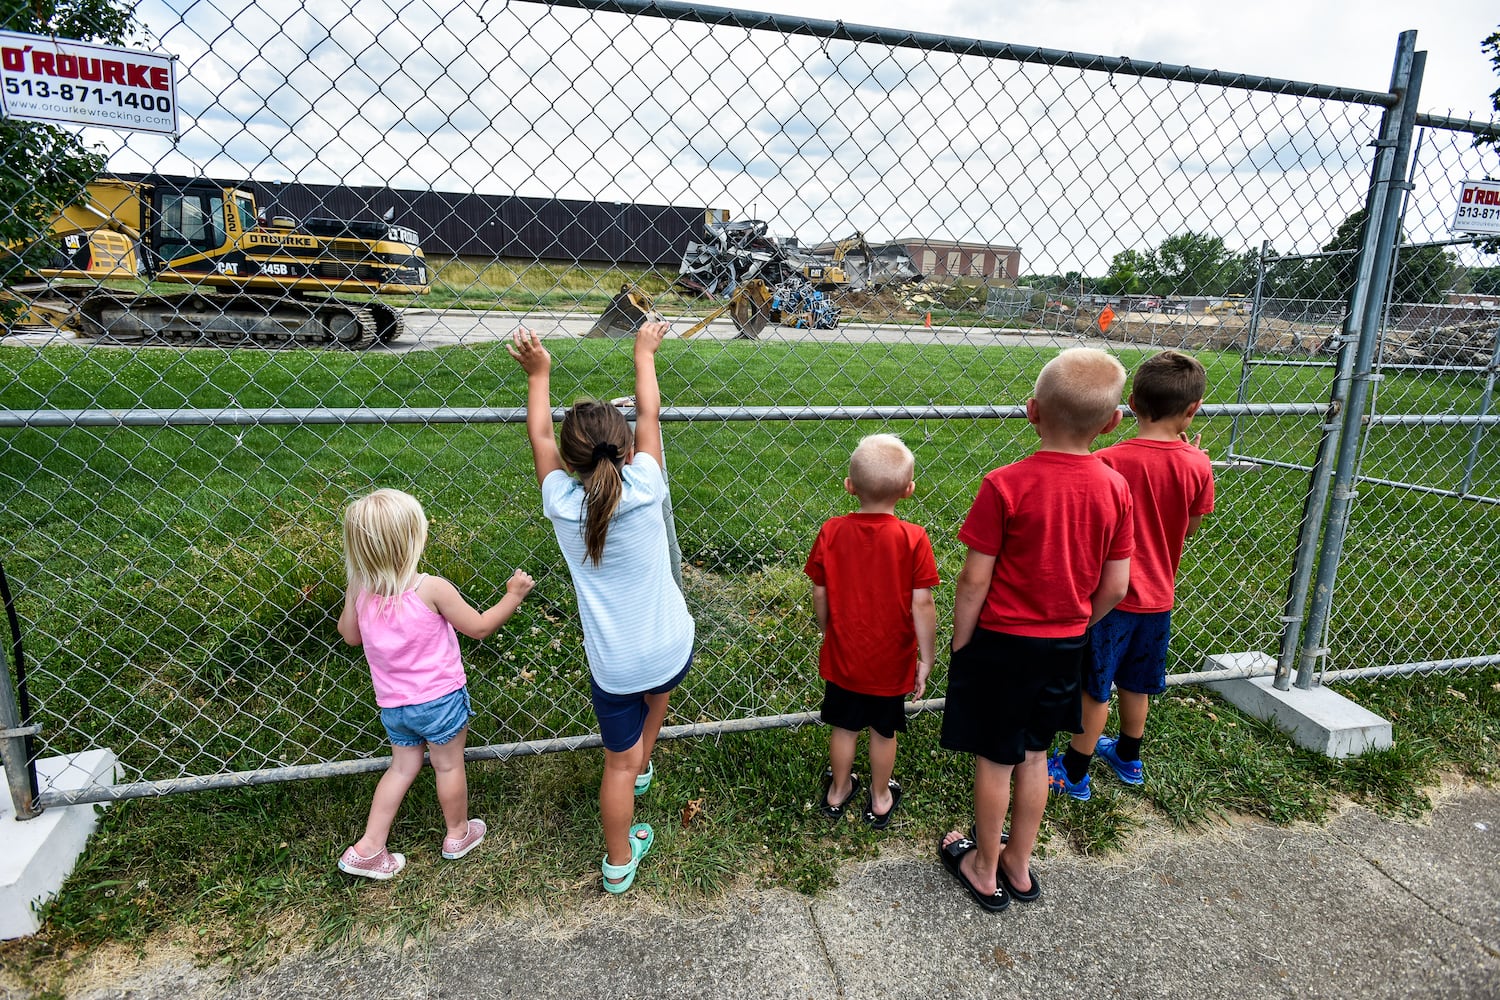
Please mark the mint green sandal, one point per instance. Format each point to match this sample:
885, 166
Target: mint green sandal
643, 781
641, 839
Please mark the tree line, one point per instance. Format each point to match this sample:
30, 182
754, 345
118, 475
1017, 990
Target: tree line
1193, 264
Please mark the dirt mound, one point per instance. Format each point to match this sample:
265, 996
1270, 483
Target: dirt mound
1194, 331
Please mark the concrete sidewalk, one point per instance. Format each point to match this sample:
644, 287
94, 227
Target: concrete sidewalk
1362, 907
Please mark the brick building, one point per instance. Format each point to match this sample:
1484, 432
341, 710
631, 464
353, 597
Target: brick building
950, 259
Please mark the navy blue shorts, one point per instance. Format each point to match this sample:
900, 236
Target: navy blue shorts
436, 722
622, 717
1129, 651
1012, 694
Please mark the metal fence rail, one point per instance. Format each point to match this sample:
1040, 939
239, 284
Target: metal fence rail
169, 514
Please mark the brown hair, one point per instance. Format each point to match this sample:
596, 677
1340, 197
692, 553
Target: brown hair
1080, 388
594, 440
1166, 384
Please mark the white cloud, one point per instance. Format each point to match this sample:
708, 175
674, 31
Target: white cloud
824, 137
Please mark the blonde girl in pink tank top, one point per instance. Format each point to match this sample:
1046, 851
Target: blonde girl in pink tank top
406, 622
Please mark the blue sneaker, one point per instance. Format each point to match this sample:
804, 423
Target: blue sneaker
1128, 771
1058, 783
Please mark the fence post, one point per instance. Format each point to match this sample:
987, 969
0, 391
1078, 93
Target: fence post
1477, 433
1378, 272
1252, 334
674, 549
1343, 423
15, 738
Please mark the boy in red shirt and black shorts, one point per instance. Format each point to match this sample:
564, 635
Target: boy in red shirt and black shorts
872, 575
1049, 540
1172, 486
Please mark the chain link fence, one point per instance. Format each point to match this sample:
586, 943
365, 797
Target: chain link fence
962, 209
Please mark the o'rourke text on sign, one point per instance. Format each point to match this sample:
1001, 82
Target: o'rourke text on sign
1478, 208
60, 81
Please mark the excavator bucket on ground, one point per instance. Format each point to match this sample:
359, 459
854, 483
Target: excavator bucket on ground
750, 309
624, 314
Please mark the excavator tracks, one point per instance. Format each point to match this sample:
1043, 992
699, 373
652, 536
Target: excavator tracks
198, 320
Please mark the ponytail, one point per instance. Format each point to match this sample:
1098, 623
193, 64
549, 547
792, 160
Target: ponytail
601, 493
594, 439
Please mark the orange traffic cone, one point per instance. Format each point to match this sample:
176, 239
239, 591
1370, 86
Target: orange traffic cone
929, 319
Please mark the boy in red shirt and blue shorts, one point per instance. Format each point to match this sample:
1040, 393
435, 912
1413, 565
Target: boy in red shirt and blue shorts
1050, 539
1172, 486
872, 576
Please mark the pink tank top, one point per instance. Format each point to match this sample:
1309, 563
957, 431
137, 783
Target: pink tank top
412, 650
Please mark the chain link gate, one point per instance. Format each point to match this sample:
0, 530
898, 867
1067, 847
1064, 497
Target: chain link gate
171, 515
1427, 466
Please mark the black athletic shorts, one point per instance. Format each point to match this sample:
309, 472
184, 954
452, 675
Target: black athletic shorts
1009, 694
885, 714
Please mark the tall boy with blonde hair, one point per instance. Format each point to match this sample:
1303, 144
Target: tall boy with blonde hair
1050, 539
1172, 487
872, 575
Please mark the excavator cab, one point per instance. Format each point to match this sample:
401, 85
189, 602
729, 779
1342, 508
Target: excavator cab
188, 224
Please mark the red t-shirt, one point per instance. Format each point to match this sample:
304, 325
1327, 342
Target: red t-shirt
870, 564
1052, 520
1170, 482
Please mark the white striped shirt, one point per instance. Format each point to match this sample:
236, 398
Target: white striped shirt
637, 632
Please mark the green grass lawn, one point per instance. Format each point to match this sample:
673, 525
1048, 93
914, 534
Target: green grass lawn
179, 589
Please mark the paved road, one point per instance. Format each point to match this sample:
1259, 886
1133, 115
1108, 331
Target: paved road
1363, 907
427, 329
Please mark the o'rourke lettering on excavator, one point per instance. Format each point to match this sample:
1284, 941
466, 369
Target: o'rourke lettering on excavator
277, 240
1478, 208
56, 80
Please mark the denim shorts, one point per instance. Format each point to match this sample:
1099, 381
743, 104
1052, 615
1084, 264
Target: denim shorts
622, 717
436, 722
1129, 651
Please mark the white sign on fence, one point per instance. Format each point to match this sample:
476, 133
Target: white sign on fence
56, 80
1478, 208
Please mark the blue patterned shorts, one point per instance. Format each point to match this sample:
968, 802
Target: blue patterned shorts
1129, 651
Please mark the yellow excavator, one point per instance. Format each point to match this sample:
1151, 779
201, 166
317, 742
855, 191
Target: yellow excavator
254, 282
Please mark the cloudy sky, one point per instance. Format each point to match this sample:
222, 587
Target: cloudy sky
1346, 42
824, 138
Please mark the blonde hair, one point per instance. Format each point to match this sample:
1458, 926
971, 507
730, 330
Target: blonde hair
881, 467
384, 535
1079, 389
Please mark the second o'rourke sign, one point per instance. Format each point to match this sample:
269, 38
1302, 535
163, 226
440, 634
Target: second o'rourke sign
1478, 208
55, 80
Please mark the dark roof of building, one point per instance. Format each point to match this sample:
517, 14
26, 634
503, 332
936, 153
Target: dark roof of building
483, 225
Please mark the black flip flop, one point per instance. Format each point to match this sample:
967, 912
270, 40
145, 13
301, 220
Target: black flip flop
836, 812
951, 855
1029, 896
1004, 834
879, 821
